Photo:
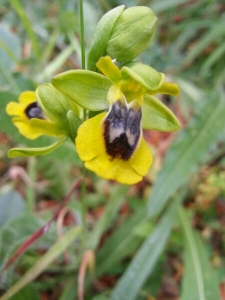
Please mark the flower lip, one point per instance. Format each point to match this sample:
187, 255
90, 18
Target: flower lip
33, 110
121, 130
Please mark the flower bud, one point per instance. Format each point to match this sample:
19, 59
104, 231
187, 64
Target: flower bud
131, 33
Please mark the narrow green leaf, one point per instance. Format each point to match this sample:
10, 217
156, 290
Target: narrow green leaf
43, 262
12, 153
209, 37
56, 63
28, 292
85, 88
123, 242
214, 57
164, 5
101, 36
157, 116
12, 205
145, 259
188, 150
110, 212
27, 25
199, 279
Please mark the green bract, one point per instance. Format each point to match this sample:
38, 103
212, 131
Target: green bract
87, 89
157, 116
101, 36
122, 34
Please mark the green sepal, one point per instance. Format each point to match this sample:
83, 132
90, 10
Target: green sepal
74, 122
146, 76
101, 36
157, 116
15, 152
131, 33
86, 88
46, 127
55, 104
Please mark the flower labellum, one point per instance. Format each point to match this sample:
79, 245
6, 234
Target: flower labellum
122, 130
116, 148
33, 110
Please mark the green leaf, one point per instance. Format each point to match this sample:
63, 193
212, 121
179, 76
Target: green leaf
18, 7
85, 88
145, 259
74, 122
146, 76
12, 205
102, 35
188, 150
131, 33
199, 277
28, 292
110, 212
157, 116
12, 153
124, 241
42, 263
14, 233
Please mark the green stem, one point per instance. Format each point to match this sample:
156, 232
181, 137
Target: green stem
83, 190
84, 208
82, 35
30, 191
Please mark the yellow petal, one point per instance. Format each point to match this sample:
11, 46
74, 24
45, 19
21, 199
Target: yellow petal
91, 149
15, 109
89, 141
27, 97
25, 129
142, 158
116, 169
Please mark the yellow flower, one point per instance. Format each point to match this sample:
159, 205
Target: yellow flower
111, 144
23, 111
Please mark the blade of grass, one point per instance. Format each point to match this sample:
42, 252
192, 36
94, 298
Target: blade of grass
10, 79
111, 209
55, 64
145, 259
43, 262
198, 274
28, 26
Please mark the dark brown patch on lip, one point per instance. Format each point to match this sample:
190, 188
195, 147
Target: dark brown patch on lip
122, 131
33, 110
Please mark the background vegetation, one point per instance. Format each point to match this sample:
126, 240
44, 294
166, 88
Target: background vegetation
163, 238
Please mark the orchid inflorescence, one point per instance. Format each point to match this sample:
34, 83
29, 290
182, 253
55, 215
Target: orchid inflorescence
117, 88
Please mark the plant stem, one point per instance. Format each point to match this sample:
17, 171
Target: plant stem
83, 192
30, 190
82, 35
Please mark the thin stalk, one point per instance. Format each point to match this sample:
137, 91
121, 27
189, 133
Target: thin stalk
30, 190
83, 190
82, 35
